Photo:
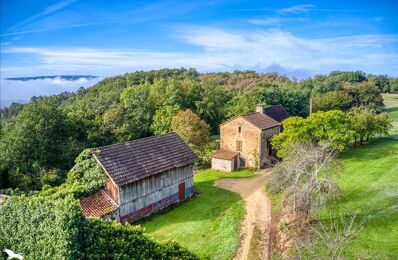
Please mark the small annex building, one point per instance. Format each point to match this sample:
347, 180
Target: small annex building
245, 141
143, 176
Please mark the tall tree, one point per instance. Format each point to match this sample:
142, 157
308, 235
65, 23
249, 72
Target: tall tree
193, 130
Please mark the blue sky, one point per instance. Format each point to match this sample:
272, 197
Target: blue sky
112, 37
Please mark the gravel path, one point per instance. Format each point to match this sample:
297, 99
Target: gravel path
258, 212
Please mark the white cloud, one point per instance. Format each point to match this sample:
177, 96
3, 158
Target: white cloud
304, 8
22, 91
218, 49
272, 21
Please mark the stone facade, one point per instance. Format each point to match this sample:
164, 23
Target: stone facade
250, 135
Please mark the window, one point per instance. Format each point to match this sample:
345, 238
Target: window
240, 129
239, 146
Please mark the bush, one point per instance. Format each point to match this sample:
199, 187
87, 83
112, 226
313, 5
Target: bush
101, 239
41, 228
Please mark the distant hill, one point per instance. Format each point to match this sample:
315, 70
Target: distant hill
64, 77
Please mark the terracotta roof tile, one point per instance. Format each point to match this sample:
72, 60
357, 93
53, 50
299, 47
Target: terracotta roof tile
134, 160
98, 205
225, 154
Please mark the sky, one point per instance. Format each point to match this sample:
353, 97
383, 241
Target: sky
106, 38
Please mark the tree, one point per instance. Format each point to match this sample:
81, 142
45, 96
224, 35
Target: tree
193, 130
240, 104
364, 94
365, 123
335, 100
294, 100
162, 119
210, 106
39, 138
138, 112
305, 177
320, 127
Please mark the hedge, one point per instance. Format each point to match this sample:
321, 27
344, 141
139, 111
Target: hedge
41, 228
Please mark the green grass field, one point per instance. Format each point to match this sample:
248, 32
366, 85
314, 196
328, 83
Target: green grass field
208, 223
369, 182
391, 103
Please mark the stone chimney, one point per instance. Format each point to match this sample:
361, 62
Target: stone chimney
260, 108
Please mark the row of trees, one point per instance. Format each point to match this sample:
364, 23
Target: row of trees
335, 127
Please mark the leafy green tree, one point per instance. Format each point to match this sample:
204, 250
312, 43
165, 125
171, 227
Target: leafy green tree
162, 119
39, 138
295, 101
240, 104
364, 94
210, 106
320, 127
138, 112
336, 100
365, 123
193, 130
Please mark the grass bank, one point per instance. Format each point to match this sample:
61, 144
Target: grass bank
369, 182
391, 107
207, 224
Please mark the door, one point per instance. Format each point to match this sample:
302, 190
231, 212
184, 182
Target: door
236, 163
181, 191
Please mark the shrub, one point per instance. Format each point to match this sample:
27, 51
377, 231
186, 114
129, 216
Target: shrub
101, 239
41, 228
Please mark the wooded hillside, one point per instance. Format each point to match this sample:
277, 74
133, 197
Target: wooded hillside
40, 140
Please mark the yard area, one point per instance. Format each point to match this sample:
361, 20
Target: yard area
369, 182
391, 103
208, 224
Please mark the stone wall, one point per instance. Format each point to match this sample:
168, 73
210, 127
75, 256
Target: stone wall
222, 164
249, 135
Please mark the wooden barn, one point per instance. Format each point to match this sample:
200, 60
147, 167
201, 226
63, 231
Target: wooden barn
144, 176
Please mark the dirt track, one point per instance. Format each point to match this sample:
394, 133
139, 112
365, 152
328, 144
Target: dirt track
258, 212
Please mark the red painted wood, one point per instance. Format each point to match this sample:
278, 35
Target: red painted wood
181, 191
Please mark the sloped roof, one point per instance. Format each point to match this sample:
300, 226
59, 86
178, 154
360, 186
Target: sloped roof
134, 160
261, 121
278, 113
225, 154
98, 205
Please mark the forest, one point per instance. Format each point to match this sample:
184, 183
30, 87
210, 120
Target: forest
40, 140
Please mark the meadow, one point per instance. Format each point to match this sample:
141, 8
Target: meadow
369, 184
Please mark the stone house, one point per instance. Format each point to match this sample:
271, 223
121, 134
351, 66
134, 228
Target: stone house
143, 176
245, 141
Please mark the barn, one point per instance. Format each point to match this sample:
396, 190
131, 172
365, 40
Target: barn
143, 176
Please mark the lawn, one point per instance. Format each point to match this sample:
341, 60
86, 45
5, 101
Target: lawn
369, 182
391, 103
207, 224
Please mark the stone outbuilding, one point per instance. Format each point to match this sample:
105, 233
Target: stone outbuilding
143, 176
245, 141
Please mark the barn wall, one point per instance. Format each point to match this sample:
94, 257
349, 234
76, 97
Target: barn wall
112, 190
249, 135
145, 196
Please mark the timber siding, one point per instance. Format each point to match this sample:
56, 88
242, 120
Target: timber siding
144, 175
142, 197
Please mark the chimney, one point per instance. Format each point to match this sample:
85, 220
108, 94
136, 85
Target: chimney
260, 108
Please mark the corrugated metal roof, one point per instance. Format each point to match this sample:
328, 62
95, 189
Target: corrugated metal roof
225, 154
134, 160
98, 205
